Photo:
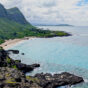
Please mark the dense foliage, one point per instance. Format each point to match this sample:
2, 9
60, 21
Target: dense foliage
10, 30
14, 25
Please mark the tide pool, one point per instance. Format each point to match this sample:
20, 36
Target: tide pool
58, 54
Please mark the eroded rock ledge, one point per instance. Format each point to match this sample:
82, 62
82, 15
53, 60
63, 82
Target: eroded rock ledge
12, 75
52, 81
13, 78
6, 61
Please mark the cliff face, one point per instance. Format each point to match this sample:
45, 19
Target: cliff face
3, 12
12, 24
13, 14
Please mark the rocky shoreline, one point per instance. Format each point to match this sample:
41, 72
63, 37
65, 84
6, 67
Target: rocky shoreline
12, 75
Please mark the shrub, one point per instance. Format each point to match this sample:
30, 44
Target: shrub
8, 60
14, 66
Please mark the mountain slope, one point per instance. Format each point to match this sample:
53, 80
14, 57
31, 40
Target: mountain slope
15, 15
3, 12
10, 29
12, 21
14, 25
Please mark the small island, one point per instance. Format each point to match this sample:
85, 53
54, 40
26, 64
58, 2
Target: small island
68, 25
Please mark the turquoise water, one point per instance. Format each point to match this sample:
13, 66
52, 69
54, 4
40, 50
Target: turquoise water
58, 54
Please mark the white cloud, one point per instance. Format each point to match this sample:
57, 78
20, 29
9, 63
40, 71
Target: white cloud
52, 11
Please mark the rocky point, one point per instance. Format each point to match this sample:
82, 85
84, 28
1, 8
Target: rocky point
12, 75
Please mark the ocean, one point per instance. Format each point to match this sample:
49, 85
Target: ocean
58, 54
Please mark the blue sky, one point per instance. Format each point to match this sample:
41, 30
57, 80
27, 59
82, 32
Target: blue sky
82, 2
52, 11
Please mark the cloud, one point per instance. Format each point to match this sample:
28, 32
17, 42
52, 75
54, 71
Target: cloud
52, 11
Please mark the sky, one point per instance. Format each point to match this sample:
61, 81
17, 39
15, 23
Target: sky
74, 12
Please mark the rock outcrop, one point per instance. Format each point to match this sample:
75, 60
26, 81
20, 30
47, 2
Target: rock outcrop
13, 78
13, 51
52, 81
12, 75
6, 61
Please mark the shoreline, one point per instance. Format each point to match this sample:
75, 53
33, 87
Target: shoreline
11, 42
13, 74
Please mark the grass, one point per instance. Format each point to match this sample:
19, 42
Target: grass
32, 79
7, 75
14, 66
10, 81
1, 41
8, 60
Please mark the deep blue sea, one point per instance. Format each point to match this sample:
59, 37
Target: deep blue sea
58, 54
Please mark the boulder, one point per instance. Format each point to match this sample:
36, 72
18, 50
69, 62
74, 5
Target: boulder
22, 53
26, 68
13, 51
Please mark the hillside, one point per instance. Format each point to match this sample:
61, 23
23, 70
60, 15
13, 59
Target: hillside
10, 28
14, 25
15, 15
3, 12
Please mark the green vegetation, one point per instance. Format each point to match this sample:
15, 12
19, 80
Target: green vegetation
14, 66
7, 75
34, 79
8, 60
14, 25
11, 30
1, 41
18, 61
1, 48
10, 81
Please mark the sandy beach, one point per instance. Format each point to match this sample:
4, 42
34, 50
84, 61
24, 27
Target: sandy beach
11, 42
